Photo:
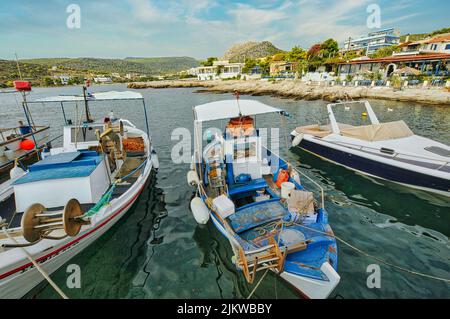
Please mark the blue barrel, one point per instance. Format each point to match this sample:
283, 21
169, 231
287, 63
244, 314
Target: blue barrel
25, 129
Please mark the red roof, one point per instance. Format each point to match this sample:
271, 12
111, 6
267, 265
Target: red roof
403, 58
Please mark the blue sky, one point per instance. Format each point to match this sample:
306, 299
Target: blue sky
200, 28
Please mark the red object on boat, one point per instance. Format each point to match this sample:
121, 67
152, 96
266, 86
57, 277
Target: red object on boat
22, 86
27, 145
283, 176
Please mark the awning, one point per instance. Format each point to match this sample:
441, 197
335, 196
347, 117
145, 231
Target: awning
100, 96
230, 109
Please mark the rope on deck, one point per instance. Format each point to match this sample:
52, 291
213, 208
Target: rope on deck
378, 258
38, 267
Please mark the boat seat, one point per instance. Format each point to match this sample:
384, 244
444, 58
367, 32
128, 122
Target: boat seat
251, 186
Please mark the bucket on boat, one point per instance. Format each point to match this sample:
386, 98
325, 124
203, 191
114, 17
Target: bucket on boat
286, 189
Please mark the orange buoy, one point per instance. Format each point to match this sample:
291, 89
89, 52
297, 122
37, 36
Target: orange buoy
27, 145
283, 176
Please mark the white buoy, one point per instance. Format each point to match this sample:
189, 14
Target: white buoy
192, 179
155, 160
297, 140
16, 171
200, 211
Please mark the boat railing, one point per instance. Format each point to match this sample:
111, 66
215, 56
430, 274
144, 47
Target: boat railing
322, 193
395, 154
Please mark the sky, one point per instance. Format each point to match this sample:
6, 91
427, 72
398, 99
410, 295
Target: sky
197, 28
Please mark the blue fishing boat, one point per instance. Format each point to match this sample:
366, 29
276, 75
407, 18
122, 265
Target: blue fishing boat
258, 202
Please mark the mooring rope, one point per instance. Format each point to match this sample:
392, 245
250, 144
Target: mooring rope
38, 267
377, 258
257, 285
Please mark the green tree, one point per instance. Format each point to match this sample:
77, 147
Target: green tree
329, 48
296, 54
48, 81
249, 65
209, 61
384, 52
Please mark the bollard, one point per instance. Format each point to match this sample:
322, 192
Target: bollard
425, 83
447, 84
372, 84
388, 83
405, 84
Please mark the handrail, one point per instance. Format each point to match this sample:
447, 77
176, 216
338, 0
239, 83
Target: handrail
362, 147
307, 177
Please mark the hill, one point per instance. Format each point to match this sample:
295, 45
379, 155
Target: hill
166, 65
421, 36
29, 71
240, 52
149, 66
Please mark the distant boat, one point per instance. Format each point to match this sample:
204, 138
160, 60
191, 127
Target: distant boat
256, 200
75, 194
389, 151
21, 144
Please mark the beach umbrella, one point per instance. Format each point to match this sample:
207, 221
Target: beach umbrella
407, 71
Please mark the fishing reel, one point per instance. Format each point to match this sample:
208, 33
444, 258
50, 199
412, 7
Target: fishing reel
38, 223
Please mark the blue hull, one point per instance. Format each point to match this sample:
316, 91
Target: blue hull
378, 169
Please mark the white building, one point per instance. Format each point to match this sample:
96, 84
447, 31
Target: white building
103, 79
63, 78
437, 44
373, 41
219, 70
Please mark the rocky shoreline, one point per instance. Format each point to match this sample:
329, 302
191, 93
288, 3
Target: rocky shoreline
301, 91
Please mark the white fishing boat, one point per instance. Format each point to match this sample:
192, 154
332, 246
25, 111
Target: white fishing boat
389, 151
74, 195
257, 201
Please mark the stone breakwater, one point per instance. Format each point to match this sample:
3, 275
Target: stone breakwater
301, 91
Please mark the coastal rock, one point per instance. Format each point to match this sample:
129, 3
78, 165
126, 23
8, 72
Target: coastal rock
294, 89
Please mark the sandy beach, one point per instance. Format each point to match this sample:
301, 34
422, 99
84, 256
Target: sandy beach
302, 91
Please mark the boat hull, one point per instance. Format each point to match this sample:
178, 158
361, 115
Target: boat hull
378, 169
18, 281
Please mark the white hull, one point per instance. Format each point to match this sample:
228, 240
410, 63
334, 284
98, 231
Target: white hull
18, 276
26, 277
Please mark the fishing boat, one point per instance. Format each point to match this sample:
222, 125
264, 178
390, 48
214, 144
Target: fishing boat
257, 201
73, 195
24, 142
389, 151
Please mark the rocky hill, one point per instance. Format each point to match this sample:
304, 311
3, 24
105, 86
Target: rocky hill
240, 52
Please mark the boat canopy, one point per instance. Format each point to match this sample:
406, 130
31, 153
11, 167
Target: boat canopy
100, 96
230, 109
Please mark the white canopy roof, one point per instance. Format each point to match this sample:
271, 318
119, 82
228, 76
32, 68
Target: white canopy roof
230, 109
100, 96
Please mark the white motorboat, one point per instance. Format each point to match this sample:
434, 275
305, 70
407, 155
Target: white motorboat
74, 195
389, 151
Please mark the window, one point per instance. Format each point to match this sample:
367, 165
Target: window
447, 47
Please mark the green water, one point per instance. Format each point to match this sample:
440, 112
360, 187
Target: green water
158, 251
